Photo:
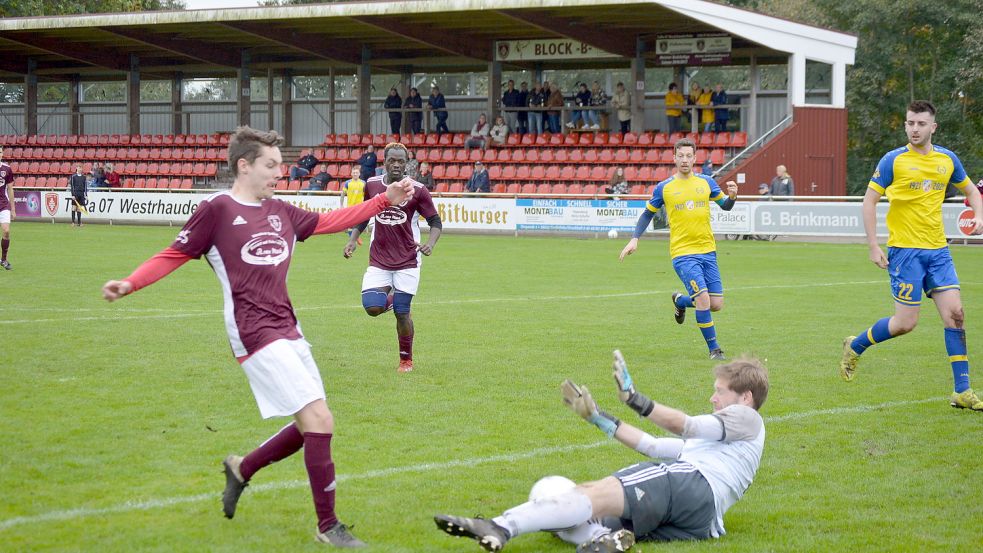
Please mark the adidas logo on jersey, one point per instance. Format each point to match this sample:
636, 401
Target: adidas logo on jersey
639, 494
238, 220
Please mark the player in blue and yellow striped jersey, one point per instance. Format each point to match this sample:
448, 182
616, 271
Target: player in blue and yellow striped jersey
914, 178
686, 198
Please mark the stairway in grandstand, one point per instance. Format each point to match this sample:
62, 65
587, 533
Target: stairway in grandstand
143, 161
575, 163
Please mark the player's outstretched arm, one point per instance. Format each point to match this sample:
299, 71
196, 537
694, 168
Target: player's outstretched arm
869, 211
672, 420
152, 270
973, 198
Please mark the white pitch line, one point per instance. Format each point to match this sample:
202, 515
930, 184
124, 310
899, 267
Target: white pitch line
131, 506
109, 318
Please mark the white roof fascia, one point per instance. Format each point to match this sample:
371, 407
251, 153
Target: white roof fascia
778, 34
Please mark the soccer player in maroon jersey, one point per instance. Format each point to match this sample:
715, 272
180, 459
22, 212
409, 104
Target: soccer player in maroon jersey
248, 238
395, 252
6, 208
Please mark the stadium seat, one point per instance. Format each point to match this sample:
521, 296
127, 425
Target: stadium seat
582, 173
512, 140
504, 156
186, 184
44, 167
615, 139
458, 139
528, 188
528, 140
211, 169
637, 189
129, 168
552, 173
187, 168
601, 138
546, 156
660, 139
489, 156
513, 188
445, 139
567, 173
441, 187
721, 140
607, 156
544, 188
522, 172
532, 156
41, 182
452, 172
586, 139
31, 181
518, 156
508, 172
645, 173
598, 173
653, 156
701, 156
447, 156
574, 189
556, 140
717, 157
499, 188
576, 156
419, 139
464, 171
495, 172
198, 170
660, 174
542, 139
631, 173
456, 188
461, 155
675, 137
630, 139
538, 172
128, 183
645, 139
590, 156
151, 183
561, 156
667, 156
738, 140
570, 140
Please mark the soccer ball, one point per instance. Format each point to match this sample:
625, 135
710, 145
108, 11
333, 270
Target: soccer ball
612, 234
550, 485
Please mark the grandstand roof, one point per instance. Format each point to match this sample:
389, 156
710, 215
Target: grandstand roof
418, 35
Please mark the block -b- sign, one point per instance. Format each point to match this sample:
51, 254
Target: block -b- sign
547, 49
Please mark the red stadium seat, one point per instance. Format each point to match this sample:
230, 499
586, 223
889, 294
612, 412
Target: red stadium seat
186, 184
503, 156
586, 139
140, 183
570, 140
527, 189
456, 188
539, 173
567, 173
645, 173
462, 156
706, 139
653, 156
637, 189
151, 183
465, 172
574, 189
522, 172
512, 140
717, 157
561, 156
547, 156
499, 188
438, 171
582, 173
590, 156
128, 183
544, 188
441, 186
668, 156
738, 140
701, 156
532, 156
528, 140
187, 169
615, 139
660, 174
630, 139
556, 140
660, 139
508, 172
495, 172
542, 139
552, 173
513, 188
452, 172
645, 139
598, 173
518, 156
576, 156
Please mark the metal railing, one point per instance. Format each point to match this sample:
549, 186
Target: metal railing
753, 146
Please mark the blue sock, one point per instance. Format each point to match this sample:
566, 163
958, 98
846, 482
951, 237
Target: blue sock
873, 335
705, 322
955, 346
684, 301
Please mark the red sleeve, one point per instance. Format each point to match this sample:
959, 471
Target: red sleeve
157, 267
341, 219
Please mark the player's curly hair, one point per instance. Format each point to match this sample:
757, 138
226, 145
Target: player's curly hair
394, 146
246, 143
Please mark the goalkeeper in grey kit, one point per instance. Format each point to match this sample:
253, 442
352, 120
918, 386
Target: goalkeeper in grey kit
682, 494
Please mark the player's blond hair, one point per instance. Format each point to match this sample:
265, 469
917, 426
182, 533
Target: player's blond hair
746, 374
246, 143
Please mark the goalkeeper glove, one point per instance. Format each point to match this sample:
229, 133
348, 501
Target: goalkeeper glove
626, 388
578, 399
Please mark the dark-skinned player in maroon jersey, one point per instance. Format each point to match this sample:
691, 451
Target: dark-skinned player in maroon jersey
395, 252
248, 237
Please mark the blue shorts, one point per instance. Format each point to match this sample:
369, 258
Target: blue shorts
699, 273
914, 270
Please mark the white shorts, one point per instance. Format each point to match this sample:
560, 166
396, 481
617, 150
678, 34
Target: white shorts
5, 217
404, 280
284, 377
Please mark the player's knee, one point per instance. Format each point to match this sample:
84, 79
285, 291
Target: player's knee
904, 326
958, 317
716, 304
374, 302
401, 302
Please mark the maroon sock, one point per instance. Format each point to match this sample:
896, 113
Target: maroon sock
320, 471
283, 444
5, 245
406, 347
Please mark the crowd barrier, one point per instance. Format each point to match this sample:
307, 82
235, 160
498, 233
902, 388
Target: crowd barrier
501, 214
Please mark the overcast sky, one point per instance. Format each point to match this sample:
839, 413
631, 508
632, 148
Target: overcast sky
203, 4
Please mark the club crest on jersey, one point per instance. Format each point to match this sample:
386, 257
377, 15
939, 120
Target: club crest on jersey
265, 248
51, 203
275, 222
690, 205
391, 217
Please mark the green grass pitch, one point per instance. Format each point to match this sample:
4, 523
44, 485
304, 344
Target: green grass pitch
114, 418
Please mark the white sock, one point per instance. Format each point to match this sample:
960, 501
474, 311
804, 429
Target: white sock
553, 513
583, 533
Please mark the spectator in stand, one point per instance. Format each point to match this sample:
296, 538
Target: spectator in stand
617, 184
437, 103
692, 100
412, 165
537, 99
522, 117
367, 162
415, 118
581, 100
98, 175
511, 99
706, 115
112, 177
674, 108
426, 177
319, 182
479, 134
621, 102
707, 168
353, 189
304, 165
782, 184
479, 181
90, 182
720, 115
599, 101
554, 101
394, 102
499, 133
